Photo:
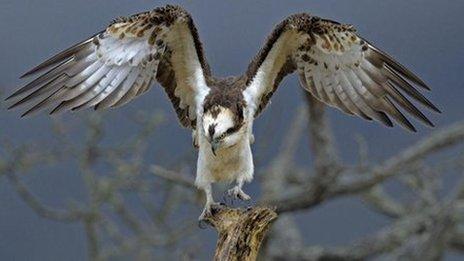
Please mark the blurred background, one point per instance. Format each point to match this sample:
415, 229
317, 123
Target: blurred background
117, 185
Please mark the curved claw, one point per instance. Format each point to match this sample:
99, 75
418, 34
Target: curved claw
237, 193
202, 224
209, 210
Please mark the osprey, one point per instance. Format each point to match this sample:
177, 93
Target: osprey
334, 64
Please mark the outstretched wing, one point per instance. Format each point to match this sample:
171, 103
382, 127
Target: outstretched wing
121, 63
338, 68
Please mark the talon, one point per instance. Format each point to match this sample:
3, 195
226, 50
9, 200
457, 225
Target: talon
215, 208
237, 193
203, 215
206, 212
202, 224
243, 196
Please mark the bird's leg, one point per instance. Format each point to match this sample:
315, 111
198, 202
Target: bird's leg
237, 192
210, 204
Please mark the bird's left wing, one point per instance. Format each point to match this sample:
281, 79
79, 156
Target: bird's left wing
338, 68
121, 63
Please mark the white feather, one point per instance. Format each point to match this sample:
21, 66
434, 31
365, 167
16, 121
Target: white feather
121, 75
269, 69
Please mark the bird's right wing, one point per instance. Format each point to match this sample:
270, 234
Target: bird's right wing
121, 63
337, 67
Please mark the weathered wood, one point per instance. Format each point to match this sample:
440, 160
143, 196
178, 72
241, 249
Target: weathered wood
240, 232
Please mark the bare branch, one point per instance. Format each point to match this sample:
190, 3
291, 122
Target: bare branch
276, 173
351, 182
456, 240
40, 208
240, 232
284, 233
383, 241
92, 239
325, 155
172, 176
381, 202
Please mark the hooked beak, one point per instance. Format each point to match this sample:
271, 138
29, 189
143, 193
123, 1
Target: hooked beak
214, 147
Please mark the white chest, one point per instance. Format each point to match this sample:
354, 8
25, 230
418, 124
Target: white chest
228, 164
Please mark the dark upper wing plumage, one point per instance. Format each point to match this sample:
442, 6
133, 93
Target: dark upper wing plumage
121, 63
337, 67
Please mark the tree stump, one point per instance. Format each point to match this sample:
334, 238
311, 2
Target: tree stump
240, 232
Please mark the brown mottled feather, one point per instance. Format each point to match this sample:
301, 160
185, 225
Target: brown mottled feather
335, 65
367, 87
77, 81
166, 77
68, 53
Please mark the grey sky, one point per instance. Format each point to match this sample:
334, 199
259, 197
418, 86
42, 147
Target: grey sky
425, 35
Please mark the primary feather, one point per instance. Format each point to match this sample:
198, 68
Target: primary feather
120, 63
338, 68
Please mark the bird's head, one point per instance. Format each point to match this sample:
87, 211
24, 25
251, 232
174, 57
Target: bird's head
223, 127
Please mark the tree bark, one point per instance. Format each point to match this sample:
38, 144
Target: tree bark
240, 232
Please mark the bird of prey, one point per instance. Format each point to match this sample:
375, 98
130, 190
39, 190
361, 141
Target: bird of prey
335, 65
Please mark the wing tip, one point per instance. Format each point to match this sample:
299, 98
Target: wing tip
411, 128
421, 83
37, 69
427, 122
11, 107
27, 113
58, 109
9, 97
14, 95
97, 107
408, 125
435, 109
27, 74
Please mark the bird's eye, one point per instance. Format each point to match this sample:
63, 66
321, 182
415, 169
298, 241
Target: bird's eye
223, 135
